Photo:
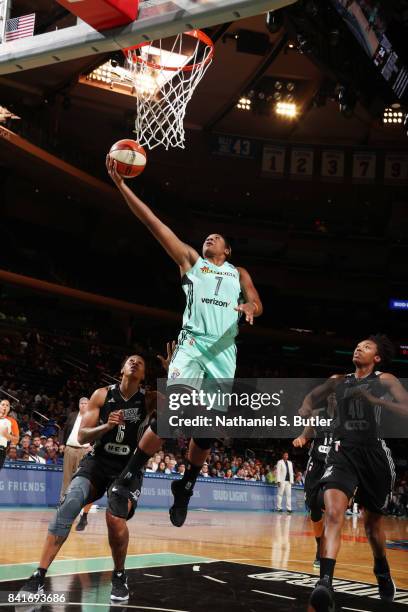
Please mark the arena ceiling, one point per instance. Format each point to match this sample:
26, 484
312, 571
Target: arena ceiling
56, 103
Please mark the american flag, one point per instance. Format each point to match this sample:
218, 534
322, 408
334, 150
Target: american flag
19, 27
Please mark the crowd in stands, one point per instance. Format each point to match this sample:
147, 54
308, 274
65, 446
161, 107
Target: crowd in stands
37, 448
44, 374
222, 462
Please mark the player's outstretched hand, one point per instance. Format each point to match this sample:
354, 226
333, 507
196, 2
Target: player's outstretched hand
249, 310
165, 361
111, 166
115, 418
299, 442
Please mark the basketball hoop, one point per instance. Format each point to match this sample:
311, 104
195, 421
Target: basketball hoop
165, 74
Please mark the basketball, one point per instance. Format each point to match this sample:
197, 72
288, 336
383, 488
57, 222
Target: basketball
130, 157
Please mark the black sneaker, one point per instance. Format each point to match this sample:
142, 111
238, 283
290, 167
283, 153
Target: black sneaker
178, 511
82, 523
316, 563
386, 586
322, 597
35, 584
120, 591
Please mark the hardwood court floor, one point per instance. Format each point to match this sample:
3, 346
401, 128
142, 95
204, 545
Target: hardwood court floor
273, 540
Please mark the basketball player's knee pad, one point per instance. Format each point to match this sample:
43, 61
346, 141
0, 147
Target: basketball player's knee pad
74, 500
119, 495
204, 443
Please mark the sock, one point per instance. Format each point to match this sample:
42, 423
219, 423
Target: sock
381, 566
190, 476
327, 568
42, 571
318, 548
133, 467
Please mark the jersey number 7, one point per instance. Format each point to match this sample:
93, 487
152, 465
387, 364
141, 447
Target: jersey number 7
219, 281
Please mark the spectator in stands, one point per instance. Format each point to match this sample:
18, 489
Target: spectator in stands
161, 469
234, 466
219, 470
299, 478
204, 470
149, 466
34, 455
24, 446
171, 467
12, 453
181, 469
156, 462
36, 441
52, 457
228, 474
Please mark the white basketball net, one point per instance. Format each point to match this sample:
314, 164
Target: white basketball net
161, 94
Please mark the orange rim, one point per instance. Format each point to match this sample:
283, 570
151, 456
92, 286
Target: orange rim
198, 34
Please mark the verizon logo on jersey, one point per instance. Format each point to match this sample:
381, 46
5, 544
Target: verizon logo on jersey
215, 302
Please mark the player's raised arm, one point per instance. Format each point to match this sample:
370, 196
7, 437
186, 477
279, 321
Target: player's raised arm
184, 255
90, 430
253, 305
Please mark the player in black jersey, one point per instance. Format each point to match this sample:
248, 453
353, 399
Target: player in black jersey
358, 460
321, 438
114, 421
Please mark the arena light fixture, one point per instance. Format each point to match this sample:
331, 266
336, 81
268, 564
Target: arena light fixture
113, 76
289, 110
244, 104
393, 116
146, 84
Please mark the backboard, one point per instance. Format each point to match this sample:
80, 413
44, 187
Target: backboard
157, 19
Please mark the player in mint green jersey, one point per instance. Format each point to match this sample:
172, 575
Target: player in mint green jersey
217, 294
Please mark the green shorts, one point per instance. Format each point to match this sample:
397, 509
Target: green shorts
197, 360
